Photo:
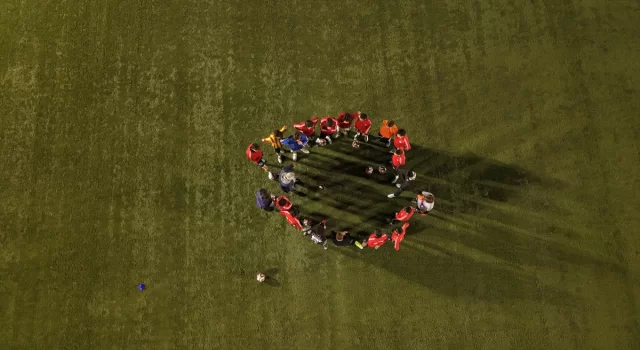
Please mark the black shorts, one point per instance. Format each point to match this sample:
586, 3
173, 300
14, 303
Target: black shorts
261, 163
323, 135
277, 150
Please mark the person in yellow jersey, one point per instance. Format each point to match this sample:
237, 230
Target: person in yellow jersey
274, 139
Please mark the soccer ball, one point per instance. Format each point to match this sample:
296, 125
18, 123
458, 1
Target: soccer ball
322, 142
261, 277
382, 169
355, 144
369, 170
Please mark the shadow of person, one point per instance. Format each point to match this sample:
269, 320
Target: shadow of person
464, 185
271, 277
455, 275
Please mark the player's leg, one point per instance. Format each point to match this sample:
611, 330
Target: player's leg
279, 153
295, 155
396, 193
326, 137
396, 175
336, 133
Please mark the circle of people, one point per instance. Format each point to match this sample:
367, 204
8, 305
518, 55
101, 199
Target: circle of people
303, 138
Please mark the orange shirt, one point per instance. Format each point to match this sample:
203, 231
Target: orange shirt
388, 132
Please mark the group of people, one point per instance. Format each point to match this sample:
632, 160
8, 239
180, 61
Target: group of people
331, 128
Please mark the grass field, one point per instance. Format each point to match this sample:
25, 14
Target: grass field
123, 127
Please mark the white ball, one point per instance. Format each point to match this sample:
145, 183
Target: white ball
261, 277
369, 170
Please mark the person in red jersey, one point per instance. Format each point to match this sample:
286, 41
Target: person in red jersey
292, 219
344, 123
283, 203
363, 125
254, 154
401, 141
308, 128
397, 237
328, 128
403, 215
398, 159
374, 241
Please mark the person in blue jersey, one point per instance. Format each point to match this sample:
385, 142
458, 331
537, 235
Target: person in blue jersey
296, 142
264, 200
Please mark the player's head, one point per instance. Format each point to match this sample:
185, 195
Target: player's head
412, 175
277, 133
296, 134
429, 198
363, 116
347, 117
255, 147
391, 123
308, 123
401, 132
399, 152
282, 202
340, 235
407, 210
330, 122
306, 222
263, 193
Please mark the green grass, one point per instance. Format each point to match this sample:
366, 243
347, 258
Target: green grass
122, 134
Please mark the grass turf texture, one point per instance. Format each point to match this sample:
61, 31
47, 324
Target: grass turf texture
122, 132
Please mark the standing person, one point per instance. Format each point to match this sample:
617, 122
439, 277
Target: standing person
344, 123
296, 142
283, 203
401, 141
363, 125
398, 159
308, 128
254, 154
387, 131
405, 179
274, 140
287, 178
316, 232
264, 200
328, 128
403, 215
397, 237
292, 219
425, 201
374, 241
342, 238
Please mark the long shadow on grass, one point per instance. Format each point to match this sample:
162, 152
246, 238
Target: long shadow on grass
461, 184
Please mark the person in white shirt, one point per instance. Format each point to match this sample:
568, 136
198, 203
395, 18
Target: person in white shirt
425, 201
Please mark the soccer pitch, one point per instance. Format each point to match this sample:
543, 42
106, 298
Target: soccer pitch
123, 127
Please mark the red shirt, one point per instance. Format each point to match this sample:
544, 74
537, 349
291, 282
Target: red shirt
293, 220
363, 125
254, 156
304, 129
398, 160
374, 241
287, 206
403, 215
342, 123
401, 142
326, 129
398, 237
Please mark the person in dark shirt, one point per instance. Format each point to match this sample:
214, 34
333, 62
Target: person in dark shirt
342, 238
264, 200
404, 180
